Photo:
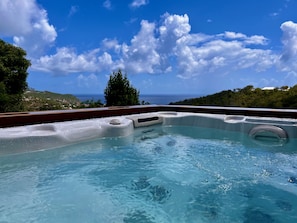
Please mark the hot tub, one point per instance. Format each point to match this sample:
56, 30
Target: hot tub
161, 166
270, 131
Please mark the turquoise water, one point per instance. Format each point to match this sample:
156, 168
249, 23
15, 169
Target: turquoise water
159, 174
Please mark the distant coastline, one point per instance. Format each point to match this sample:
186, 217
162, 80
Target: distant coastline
157, 99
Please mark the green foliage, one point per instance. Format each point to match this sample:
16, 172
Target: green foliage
119, 92
45, 100
51, 95
91, 104
13, 75
283, 97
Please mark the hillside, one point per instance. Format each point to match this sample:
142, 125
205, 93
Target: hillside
249, 96
45, 100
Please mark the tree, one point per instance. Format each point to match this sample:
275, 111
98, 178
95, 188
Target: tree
91, 104
119, 91
13, 75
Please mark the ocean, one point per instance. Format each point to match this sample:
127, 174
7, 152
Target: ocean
152, 99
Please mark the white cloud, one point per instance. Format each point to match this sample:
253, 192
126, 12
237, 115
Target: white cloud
105, 61
255, 40
289, 54
27, 23
142, 56
20, 11
198, 54
173, 30
233, 35
171, 47
111, 44
176, 25
161, 47
138, 3
220, 56
66, 61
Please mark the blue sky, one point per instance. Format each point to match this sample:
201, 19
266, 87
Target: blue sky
164, 46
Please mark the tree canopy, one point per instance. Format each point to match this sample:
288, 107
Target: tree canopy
283, 97
119, 91
13, 75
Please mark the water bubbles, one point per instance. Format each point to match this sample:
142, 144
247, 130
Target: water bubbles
292, 180
225, 187
141, 183
156, 193
159, 193
171, 142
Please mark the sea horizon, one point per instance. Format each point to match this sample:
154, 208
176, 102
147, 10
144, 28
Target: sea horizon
158, 99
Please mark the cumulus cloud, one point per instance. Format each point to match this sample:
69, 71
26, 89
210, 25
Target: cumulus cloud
255, 39
198, 54
157, 48
20, 11
175, 25
220, 56
27, 23
169, 46
289, 54
111, 44
66, 61
142, 56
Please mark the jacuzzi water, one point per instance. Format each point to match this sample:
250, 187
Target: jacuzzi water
157, 174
